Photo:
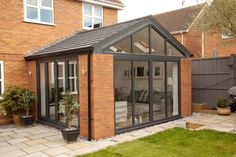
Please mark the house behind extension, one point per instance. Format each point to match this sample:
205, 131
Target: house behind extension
182, 24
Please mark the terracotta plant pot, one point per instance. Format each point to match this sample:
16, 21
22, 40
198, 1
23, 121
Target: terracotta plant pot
17, 118
223, 111
4, 120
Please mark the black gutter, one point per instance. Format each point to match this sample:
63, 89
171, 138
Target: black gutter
89, 100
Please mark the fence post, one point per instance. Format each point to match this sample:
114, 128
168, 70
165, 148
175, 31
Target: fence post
233, 68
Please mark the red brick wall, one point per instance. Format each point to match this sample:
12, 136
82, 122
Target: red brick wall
186, 87
192, 41
102, 96
32, 83
224, 47
18, 37
83, 97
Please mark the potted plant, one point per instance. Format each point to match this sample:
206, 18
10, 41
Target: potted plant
222, 106
26, 100
10, 103
69, 105
5, 116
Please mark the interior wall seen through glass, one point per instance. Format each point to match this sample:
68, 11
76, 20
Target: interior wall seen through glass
158, 94
123, 94
141, 92
172, 88
42, 90
51, 91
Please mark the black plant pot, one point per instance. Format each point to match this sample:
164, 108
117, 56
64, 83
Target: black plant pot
70, 135
27, 120
233, 107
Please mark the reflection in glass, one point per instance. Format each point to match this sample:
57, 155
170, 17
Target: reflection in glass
51, 91
157, 42
123, 46
141, 93
140, 41
42, 90
46, 16
172, 51
172, 88
123, 94
61, 86
72, 71
32, 13
158, 95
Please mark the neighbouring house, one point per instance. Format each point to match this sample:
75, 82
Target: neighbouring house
127, 76
182, 24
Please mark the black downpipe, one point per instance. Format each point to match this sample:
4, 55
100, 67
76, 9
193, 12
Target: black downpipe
89, 101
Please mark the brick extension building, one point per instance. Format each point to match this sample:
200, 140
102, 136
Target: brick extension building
126, 76
182, 22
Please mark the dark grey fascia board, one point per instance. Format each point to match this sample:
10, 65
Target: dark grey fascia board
98, 47
173, 41
59, 53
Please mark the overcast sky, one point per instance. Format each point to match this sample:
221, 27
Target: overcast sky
139, 8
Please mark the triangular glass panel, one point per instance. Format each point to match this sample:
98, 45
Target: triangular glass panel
172, 51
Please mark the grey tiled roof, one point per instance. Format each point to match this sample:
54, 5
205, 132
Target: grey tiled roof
98, 39
83, 39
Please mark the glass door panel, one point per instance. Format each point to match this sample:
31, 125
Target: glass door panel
172, 89
141, 92
158, 95
61, 87
123, 94
42, 91
51, 92
72, 86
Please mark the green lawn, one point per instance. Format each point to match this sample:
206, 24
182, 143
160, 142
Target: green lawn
176, 142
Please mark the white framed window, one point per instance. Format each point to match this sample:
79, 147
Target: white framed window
72, 78
39, 11
92, 16
1, 77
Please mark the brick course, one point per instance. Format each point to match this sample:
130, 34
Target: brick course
102, 96
186, 87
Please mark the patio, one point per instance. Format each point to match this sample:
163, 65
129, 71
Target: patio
41, 140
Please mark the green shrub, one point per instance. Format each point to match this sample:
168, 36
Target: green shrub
17, 99
222, 102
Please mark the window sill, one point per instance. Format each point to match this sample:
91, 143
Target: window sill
40, 23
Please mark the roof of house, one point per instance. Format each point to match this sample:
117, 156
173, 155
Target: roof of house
100, 38
181, 19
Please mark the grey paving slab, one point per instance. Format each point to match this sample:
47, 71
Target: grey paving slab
11, 148
56, 151
37, 154
18, 140
35, 148
14, 153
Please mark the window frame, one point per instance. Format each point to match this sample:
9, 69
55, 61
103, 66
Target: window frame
2, 78
74, 78
92, 16
39, 7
